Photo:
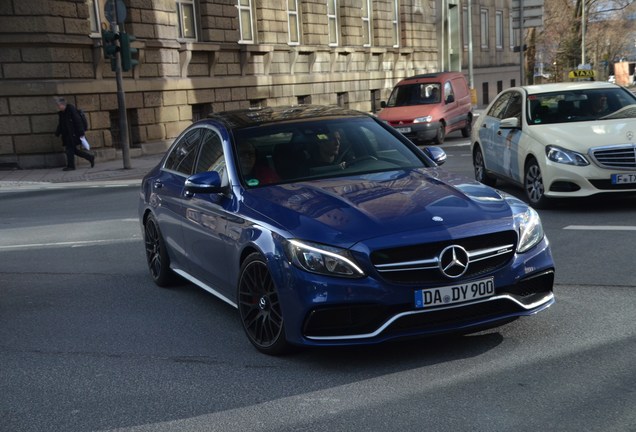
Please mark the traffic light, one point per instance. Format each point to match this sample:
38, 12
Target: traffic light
127, 60
109, 45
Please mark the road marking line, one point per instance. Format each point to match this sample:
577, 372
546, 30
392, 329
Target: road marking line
71, 243
601, 227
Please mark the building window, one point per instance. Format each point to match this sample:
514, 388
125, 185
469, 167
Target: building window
292, 22
332, 20
304, 100
245, 21
465, 27
484, 28
201, 111
187, 23
513, 34
395, 20
499, 29
375, 100
366, 23
343, 99
94, 9
258, 103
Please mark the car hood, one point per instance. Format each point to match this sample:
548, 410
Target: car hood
424, 202
580, 136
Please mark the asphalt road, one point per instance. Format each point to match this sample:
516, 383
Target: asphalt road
88, 343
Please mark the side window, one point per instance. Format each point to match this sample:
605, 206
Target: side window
183, 155
211, 154
448, 90
514, 107
499, 107
211, 157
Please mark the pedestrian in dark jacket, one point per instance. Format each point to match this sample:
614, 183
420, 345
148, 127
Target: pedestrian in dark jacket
71, 129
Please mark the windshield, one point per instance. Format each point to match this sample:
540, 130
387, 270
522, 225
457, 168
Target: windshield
580, 105
297, 151
415, 94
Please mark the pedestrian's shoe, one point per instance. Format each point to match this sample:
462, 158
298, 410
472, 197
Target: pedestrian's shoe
68, 169
92, 161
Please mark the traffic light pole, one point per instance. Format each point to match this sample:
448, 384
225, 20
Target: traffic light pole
121, 101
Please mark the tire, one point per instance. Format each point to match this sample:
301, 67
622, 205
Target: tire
533, 185
467, 130
259, 307
156, 254
441, 134
481, 175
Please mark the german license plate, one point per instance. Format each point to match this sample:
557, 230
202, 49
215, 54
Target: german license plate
431, 297
403, 130
623, 178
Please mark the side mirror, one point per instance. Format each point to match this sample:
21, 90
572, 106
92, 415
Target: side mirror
382, 104
450, 98
509, 123
205, 182
436, 153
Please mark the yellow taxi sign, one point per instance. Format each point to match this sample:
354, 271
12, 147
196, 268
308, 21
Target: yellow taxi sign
582, 73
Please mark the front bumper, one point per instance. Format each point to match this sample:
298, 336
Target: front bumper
419, 131
562, 180
324, 311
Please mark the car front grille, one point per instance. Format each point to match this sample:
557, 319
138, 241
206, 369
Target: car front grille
618, 156
419, 264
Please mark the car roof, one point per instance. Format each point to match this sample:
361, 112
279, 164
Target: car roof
579, 85
429, 77
250, 117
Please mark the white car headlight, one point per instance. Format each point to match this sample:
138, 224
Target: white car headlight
527, 223
426, 119
568, 157
322, 259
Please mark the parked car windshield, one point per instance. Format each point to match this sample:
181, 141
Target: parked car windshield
415, 94
297, 151
580, 105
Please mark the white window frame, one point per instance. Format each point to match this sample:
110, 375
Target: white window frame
513, 34
366, 22
243, 8
465, 27
184, 33
484, 28
499, 29
332, 22
95, 16
292, 17
395, 23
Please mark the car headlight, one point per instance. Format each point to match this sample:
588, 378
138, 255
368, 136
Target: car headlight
568, 157
322, 259
426, 119
527, 223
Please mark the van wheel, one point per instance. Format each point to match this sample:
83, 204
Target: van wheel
466, 131
441, 134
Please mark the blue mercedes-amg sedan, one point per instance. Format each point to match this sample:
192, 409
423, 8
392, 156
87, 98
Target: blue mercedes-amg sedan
325, 226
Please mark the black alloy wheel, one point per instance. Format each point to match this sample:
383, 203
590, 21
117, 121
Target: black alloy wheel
156, 254
467, 130
441, 134
480, 168
259, 307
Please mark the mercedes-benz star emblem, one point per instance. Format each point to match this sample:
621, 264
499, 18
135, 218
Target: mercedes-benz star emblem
453, 261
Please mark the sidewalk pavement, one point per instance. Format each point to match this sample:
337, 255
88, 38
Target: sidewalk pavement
110, 171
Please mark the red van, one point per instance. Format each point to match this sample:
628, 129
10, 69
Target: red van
426, 107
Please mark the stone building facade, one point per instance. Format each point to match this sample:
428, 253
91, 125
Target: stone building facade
202, 56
